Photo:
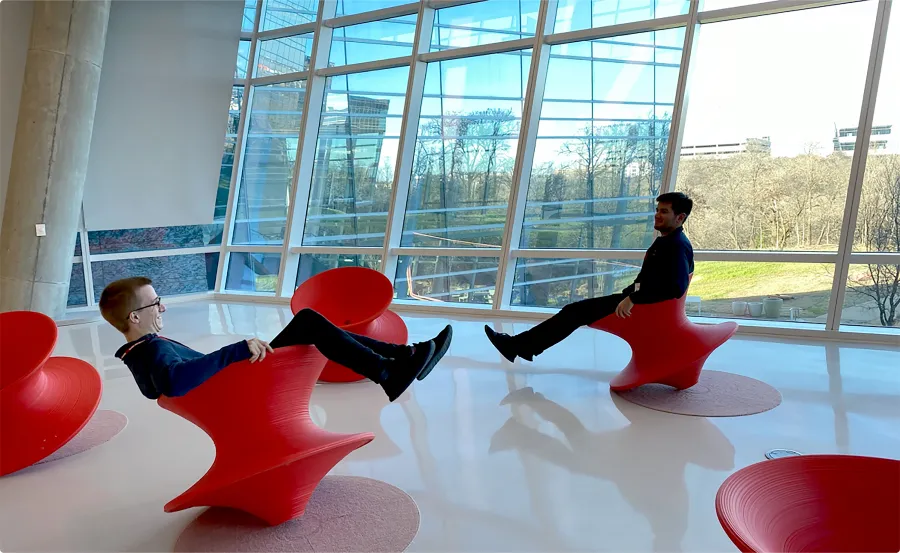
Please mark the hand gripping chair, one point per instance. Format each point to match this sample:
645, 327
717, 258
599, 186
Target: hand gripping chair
270, 456
666, 348
44, 401
813, 503
355, 299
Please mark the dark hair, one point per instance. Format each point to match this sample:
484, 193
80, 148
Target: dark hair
119, 299
679, 201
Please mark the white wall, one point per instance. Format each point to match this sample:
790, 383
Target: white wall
162, 112
15, 34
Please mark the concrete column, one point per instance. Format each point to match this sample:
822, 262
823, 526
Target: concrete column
50, 153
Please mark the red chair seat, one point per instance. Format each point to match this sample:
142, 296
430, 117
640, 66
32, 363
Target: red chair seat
355, 299
270, 455
666, 348
813, 503
44, 401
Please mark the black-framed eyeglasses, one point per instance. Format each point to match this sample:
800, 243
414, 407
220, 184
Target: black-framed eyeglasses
154, 304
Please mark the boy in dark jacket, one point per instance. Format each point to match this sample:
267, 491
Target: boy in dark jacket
161, 366
664, 275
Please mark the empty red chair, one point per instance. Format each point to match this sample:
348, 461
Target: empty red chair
813, 503
355, 299
666, 348
270, 455
44, 401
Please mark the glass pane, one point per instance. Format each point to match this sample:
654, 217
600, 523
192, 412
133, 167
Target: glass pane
355, 155
283, 55
171, 275
77, 291
465, 151
350, 7
878, 222
786, 292
484, 23
78, 243
602, 142
558, 282
249, 15
391, 38
278, 14
313, 264
446, 279
576, 15
758, 149
253, 272
157, 238
873, 296
243, 60
227, 167
268, 165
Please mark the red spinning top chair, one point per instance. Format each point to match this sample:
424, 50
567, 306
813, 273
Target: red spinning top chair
270, 455
355, 299
666, 348
44, 401
813, 503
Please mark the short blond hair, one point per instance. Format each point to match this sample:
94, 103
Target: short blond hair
120, 298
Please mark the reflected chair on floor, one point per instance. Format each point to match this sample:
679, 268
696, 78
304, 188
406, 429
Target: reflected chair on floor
270, 455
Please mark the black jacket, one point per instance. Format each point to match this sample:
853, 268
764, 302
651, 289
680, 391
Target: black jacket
165, 367
666, 271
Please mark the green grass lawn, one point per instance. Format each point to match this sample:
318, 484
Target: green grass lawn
736, 280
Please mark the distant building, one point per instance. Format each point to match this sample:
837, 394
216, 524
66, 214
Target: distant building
726, 149
883, 140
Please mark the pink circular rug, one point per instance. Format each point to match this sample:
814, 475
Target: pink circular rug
345, 513
717, 394
102, 427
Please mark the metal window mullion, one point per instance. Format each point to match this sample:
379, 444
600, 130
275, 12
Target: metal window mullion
415, 89
676, 127
301, 183
528, 130
858, 166
621, 29
371, 16
453, 252
278, 79
766, 8
388, 63
337, 250
237, 165
479, 50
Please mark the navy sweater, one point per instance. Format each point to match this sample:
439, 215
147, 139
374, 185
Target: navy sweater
666, 271
165, 367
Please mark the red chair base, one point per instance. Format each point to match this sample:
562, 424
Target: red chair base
666, 348
270, 455
40, 413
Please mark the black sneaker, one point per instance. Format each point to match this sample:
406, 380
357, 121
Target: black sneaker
441, 345
505, 344
403, 372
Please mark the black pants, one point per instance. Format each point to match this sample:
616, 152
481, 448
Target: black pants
360, 354
552, 331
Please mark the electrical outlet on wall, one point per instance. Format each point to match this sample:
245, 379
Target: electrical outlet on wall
40, 229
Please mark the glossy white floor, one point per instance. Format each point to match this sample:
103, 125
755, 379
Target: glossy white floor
575, 469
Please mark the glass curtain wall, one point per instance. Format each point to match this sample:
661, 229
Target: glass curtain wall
506, 154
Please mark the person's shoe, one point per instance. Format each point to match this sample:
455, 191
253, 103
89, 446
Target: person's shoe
506, 345
404, 371
441, 344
